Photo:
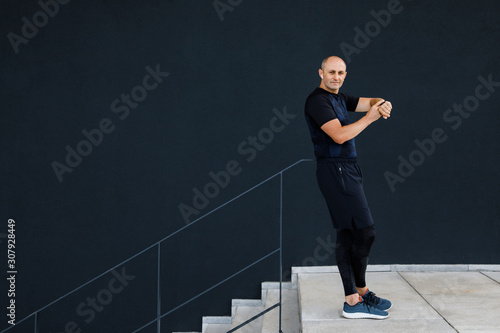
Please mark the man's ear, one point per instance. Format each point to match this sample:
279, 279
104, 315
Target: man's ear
320, 72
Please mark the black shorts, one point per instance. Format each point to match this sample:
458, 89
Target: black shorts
341, 182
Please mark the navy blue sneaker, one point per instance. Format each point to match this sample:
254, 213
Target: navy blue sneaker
363, 310
375, 301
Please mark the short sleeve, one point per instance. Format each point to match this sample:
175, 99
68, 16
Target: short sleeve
319, 108
351, 102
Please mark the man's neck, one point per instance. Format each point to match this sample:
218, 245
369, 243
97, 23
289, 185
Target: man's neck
322, 86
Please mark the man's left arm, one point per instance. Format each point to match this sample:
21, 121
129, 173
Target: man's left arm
365, 103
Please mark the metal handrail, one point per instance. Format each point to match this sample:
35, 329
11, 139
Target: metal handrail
158, 245
280, 303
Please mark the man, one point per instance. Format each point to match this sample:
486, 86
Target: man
340, 181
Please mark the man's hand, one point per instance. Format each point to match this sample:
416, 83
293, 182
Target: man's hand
341, 134
374, 113
385, 109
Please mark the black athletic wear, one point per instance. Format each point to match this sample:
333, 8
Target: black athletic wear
339, 177
321, 107
341, 183
351, 251
340, 180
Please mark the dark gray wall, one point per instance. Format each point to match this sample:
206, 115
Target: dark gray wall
231, 77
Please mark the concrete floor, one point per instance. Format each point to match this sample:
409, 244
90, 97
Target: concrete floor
423, 301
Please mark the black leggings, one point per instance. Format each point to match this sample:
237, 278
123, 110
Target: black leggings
352, 250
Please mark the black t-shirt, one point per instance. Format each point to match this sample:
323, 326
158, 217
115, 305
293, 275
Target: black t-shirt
321, 107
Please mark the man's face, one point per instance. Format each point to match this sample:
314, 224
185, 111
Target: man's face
332, 75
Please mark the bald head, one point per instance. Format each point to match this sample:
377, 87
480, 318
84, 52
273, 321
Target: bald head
332, 73
332, 59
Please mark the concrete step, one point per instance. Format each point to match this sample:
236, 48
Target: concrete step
290, 322
321, 298
217, 328
243, 313
216, 324
243, 309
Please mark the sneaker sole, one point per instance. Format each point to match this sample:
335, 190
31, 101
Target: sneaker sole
360, 315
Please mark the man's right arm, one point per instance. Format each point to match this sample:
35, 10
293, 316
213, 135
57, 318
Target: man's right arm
341, 134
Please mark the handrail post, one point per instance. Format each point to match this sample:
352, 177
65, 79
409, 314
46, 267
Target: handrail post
281, 246
158, 297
